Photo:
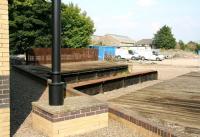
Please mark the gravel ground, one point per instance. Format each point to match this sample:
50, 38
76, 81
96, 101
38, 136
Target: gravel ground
22, 94
114, 129
167, 69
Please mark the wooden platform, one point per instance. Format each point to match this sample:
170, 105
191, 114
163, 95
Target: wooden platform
174, 103
87, 65
101, 85
76, 72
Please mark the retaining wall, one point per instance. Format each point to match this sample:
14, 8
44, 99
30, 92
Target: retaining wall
94, 87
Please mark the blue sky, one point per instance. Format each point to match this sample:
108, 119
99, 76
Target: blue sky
142, 18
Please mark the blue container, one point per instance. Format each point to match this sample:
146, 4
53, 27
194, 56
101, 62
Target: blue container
198, 52
104, 50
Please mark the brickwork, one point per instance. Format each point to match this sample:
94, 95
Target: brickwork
69, 127
4, 91
143, 126
70, 115
4, 70
4, 122
4, 53
139, 131
69, 122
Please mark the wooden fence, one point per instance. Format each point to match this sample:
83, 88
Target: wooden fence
38, 56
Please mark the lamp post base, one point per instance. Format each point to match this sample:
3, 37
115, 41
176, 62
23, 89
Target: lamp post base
56, 94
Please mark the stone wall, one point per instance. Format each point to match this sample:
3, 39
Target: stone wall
4, 70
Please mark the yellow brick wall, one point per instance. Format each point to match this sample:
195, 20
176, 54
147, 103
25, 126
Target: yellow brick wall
4, 38
4, 122
70, 127
4, 68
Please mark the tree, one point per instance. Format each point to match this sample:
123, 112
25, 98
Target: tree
164, 38
182, 45
77, 27
192, 46
198, 47
30, 25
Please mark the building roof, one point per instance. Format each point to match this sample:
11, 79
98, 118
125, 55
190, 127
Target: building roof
144, 42
192, 43
122, 39
113, 40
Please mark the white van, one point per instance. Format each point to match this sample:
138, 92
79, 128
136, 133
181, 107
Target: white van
149, 55
123, 54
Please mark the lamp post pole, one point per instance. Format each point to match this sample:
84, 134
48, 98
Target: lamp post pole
56, 87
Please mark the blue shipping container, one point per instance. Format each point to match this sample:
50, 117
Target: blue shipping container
198, 52
104, 50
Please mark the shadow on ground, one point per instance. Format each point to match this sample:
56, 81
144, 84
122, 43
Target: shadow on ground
24, 90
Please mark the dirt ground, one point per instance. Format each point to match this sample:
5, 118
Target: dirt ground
169, 68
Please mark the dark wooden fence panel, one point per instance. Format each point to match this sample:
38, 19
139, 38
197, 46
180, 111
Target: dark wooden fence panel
39, 56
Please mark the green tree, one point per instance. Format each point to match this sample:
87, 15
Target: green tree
77, 27
164, 38
30, 25
193, 46
198, 47
182, 45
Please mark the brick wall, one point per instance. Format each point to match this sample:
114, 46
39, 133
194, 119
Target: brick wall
4, 54
4, 70
4, 91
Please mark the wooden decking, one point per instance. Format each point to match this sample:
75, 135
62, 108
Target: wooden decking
86, 66
175, 101
73, 68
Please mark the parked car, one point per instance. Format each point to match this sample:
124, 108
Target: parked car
149, 55
123, 54
135, 55
159, 56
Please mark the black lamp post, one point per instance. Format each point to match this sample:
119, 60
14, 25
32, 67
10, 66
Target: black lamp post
56, 88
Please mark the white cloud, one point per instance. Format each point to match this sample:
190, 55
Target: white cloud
146, 3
